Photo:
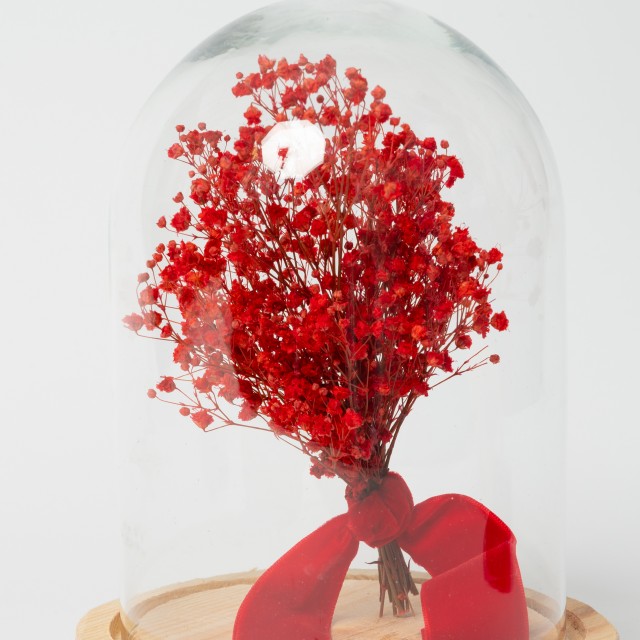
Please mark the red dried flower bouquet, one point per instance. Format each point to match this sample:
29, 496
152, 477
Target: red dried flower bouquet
316, 280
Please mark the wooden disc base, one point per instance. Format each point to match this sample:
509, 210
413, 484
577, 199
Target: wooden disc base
209, 607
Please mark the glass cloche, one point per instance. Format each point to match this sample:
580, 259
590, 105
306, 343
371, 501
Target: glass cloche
327, 211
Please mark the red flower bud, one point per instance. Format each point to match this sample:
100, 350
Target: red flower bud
167, 385
202, 419
500, 321
134, 322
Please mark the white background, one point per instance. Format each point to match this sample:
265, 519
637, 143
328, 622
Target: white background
73, 75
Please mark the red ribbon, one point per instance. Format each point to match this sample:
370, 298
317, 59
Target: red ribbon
475, 591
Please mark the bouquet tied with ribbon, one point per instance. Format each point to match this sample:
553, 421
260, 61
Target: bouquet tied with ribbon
316, 280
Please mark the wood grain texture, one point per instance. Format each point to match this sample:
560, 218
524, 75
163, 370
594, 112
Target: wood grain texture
210, 607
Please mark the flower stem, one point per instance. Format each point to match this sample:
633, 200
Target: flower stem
395, 579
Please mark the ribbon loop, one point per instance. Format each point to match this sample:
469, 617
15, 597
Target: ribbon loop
475, 591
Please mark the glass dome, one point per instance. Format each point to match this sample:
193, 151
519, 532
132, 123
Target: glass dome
326, 211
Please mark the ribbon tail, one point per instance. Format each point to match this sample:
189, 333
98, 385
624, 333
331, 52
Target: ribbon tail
296, 597
475, 591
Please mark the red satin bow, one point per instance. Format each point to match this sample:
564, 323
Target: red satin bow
475, 591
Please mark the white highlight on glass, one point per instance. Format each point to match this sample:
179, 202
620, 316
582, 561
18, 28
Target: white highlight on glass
293, 148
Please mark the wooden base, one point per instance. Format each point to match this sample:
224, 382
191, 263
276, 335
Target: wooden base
210, 607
